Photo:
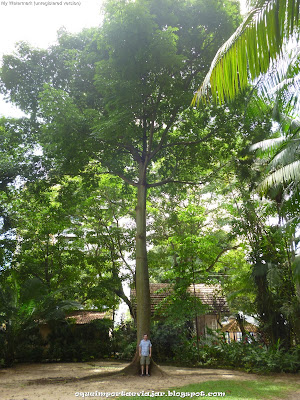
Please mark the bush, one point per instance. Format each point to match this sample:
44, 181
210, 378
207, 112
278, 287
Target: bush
168, 342
124, 340
203, 353
255, 357
29, 346
213, 351
70, 342
20, 343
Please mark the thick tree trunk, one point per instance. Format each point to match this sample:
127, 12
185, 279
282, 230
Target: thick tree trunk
143, 303
142, 275
134, 368
142, 279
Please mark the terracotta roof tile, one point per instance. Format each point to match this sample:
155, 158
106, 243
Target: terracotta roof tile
208, 294
86, 316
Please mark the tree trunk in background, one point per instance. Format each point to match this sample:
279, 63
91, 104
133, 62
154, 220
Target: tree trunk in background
296, 319
240, 321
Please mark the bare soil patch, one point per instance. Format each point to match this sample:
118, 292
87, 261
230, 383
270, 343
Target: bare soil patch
52, 381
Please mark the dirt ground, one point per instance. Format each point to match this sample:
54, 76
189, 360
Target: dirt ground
50, 381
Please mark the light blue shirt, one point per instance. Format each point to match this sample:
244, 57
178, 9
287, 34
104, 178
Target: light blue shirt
145, 347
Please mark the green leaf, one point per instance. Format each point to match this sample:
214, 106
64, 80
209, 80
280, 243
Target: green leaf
264, 30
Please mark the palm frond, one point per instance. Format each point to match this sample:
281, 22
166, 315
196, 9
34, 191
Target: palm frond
288, 173
289, 125
295, 125
268, 144
257, 41
287, 155
283, 88
284, 83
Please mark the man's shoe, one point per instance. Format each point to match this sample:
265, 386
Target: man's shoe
142, 375
147, 374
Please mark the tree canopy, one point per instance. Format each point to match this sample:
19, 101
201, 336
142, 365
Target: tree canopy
116, 166
118, 95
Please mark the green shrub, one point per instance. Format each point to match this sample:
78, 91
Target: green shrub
203, 353
213, 351
71, 342
124, 340
167, 341
29, 346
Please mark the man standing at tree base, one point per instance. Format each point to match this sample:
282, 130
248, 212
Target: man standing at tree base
145, 350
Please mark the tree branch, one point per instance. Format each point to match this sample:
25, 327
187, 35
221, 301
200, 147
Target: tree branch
148, 156
127, 146
120, 292
133, 151
217, 258
189, 143
152, 129
164, 134
170, 180
118, 240
125, 179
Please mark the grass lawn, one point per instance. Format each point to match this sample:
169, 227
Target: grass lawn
229, 390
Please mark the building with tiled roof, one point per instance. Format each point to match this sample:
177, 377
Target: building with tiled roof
233, 331
81, 317
210, 296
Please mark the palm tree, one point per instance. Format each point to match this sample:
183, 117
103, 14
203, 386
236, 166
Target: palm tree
252, 49
259, 46
281, 154
283, 151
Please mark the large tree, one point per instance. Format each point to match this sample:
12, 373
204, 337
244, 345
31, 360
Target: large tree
118, 96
